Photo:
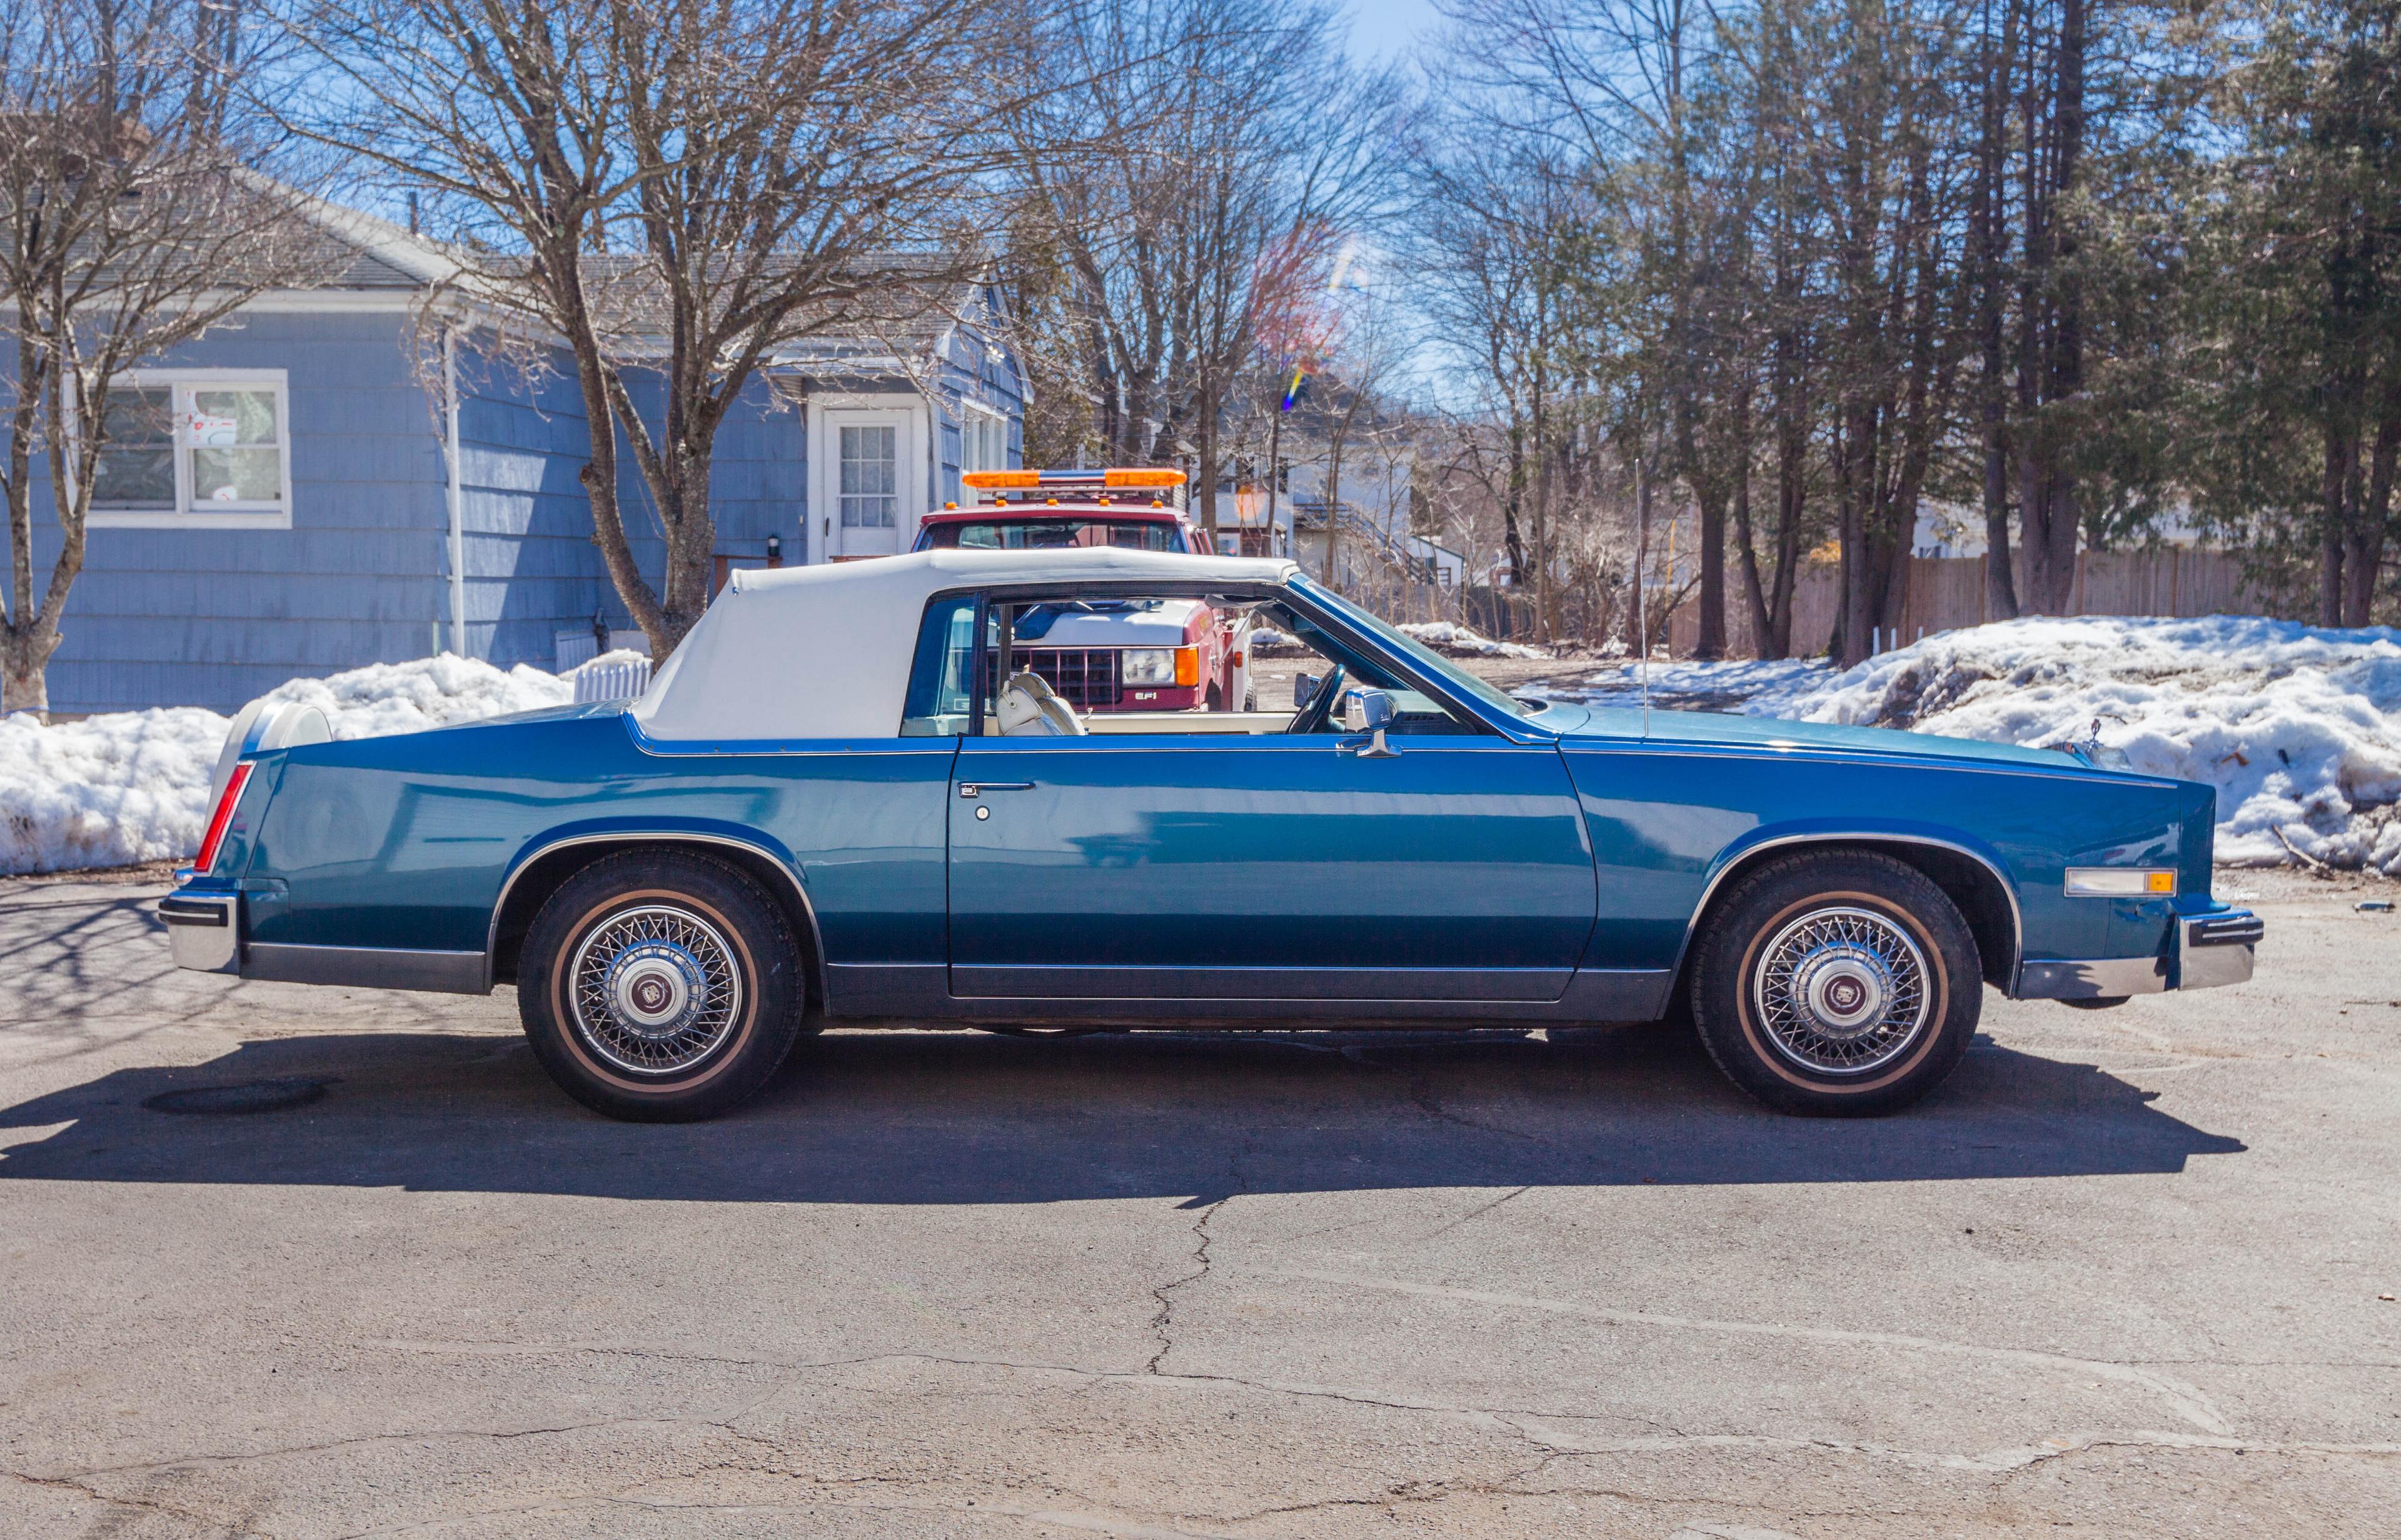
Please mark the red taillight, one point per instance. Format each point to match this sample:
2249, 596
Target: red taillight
207, 858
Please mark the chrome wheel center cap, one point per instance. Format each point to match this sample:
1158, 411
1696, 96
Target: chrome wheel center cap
1845, 989
655, 987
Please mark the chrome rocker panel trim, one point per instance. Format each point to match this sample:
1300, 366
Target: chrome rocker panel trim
367, 967
922, 992
2208, 951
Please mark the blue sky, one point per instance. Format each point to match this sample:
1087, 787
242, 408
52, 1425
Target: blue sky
1384, 28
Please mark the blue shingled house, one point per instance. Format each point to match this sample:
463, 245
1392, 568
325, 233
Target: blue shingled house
289, 495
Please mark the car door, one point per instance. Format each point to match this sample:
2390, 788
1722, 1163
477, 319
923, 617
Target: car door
1203, 866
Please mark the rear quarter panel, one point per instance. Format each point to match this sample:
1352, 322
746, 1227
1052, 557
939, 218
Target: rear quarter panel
406, 842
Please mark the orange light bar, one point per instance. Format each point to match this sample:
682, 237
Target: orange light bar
995, 480
1142, 478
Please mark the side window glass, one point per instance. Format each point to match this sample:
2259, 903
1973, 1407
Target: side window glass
942, 680
1329, 663
1120, 663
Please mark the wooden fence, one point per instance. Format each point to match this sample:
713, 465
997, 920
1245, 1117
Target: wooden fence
1946, 593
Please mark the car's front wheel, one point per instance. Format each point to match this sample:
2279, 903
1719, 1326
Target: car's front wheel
661, 987
1837, 984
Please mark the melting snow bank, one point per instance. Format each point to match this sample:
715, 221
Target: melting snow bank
384, 698
1448, 636
1759, 686
2295, 726
134, 786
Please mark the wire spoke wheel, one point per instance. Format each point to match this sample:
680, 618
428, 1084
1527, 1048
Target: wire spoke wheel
654, 990
1842, 991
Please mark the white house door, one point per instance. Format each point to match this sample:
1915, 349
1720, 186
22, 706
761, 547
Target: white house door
869, 482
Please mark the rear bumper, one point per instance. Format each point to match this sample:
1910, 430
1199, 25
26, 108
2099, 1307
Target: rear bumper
2203, 952
204, 930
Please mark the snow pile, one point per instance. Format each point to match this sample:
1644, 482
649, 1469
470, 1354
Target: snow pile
1448, 636
134, 786
385, 698
108, 791
1761, 687
2298, 728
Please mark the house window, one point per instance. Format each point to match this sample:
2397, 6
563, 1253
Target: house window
871, 478
984, 444
189, 449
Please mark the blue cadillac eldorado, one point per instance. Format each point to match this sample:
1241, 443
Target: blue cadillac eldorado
860, 792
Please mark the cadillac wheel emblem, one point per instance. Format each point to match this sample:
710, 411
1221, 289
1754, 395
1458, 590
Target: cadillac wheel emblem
1842, 991
654, 990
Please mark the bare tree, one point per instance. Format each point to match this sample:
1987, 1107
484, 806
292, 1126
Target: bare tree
135, 218
675, 190
1233, 151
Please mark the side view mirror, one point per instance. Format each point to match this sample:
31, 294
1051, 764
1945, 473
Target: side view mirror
1304, 689
1368, 712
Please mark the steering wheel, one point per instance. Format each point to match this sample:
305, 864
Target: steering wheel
1311, 717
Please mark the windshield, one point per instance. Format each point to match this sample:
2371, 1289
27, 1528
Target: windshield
1416, 652
1051, 534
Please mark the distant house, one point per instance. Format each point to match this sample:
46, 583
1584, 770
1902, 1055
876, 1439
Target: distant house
288, 497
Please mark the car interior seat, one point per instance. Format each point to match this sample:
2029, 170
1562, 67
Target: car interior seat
1030, 708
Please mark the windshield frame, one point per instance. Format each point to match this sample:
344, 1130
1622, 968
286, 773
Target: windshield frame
1518, 712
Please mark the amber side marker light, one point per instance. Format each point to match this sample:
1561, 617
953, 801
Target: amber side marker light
207, 859
2121, 882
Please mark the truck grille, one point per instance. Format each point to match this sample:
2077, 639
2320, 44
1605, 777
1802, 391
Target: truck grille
1083, 677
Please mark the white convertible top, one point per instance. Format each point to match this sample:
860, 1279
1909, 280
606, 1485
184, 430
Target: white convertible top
824, 652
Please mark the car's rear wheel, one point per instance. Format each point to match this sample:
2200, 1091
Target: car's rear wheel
1842, 985
661, 987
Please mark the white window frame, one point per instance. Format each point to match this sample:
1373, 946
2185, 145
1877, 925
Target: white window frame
188, 514
975, 418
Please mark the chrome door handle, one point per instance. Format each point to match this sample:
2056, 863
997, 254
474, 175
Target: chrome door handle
973, 788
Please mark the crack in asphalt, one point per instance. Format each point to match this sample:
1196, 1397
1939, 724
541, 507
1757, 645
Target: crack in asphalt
1161, 1325
242, 1529
1475, 1213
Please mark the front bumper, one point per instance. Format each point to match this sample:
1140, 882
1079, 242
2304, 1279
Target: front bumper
2204, 951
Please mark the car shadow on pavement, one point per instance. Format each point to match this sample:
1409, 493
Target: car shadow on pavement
902, 1117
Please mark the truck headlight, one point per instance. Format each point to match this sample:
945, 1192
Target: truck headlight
2121, 882
1146, 665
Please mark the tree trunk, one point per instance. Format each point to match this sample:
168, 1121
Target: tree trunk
1333, 510
1637, 618
2364, 557
2000, 586
1710, 505
1754, 588
1208, 436
24, 682
2335, 530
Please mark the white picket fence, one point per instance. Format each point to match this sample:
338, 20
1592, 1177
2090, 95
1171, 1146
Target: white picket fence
612, 678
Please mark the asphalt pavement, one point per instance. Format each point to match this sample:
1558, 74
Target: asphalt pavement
304, 1262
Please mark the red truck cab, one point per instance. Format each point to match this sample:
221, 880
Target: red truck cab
1105, 656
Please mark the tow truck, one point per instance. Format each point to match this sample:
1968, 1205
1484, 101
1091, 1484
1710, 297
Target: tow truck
1105, 655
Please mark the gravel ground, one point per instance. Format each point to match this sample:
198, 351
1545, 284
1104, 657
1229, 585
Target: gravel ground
2128, 1273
